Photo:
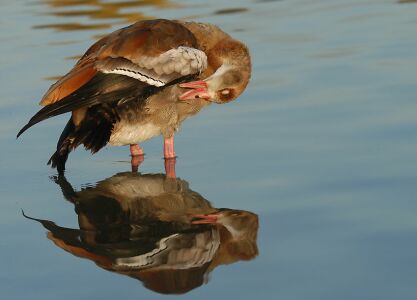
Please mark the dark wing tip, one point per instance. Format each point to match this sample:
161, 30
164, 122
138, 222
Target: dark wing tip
28, 125
45, 113
26, 216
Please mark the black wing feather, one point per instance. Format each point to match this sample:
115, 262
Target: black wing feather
101, 89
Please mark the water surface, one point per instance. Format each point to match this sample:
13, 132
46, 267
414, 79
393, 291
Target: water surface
321, 148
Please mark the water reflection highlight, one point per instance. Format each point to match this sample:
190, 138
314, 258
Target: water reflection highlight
122, 11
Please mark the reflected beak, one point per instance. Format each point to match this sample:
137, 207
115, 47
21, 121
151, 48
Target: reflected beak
199, 89
204, 219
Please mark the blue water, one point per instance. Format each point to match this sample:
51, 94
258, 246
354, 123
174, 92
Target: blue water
322, 147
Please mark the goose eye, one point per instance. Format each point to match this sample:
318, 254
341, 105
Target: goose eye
225, 92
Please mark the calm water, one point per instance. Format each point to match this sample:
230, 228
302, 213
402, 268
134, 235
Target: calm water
321, 150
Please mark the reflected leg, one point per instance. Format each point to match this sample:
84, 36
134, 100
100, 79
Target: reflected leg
170, 167
137, 156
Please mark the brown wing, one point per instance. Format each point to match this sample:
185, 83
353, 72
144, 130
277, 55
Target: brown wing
145, 55
125, 47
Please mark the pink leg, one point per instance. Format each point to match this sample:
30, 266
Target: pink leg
135, 150
170, 157
135, 162
137, 156
170, 167
169, 148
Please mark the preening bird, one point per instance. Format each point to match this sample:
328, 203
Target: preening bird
143, 81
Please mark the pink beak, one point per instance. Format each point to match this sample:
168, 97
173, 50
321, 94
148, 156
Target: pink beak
205, 219
199, 90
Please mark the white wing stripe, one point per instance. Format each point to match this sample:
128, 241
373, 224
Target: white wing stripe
136, 75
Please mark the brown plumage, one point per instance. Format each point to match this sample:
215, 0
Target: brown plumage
143, 81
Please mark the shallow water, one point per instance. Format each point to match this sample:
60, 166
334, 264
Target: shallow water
320, 149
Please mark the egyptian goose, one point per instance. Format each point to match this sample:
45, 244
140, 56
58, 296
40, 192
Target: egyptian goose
143, 81
154, 229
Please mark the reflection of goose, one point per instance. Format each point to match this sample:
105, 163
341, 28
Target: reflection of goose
155, 229
143, 81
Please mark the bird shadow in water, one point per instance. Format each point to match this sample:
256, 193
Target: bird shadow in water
155, 229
